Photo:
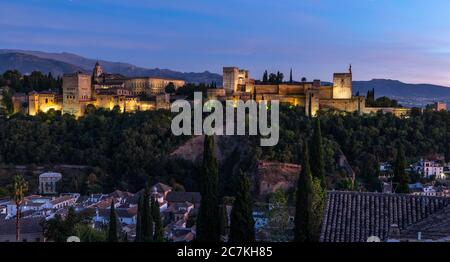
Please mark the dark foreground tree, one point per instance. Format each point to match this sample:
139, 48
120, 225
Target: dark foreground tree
146, 218
400, 177
242, 225
208, 222
304, 216
138, 237
158, 235
317, 157
144, 225
112, 228
19, 189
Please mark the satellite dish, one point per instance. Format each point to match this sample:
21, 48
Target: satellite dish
373, 239
73, 239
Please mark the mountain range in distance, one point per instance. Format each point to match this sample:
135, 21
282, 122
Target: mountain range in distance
62, 63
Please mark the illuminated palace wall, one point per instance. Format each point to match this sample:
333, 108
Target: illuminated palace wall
313, 96
43, 102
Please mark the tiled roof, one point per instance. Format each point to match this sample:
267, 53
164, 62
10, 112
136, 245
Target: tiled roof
27, 226
162, 188
60, 200
434, 227
121, 194
355, 216
127, 212
193, 197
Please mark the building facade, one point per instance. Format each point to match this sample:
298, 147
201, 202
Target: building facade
101, 90
48, 183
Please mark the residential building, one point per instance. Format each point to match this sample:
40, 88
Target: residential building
49, 183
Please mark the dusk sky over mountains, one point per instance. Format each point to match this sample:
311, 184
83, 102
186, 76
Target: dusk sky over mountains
408, 40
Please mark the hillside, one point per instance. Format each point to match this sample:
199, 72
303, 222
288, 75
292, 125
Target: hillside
28, 63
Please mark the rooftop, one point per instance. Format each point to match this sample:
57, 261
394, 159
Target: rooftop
355, 216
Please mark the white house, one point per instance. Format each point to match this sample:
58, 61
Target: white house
48, 182
430, 169
63, 201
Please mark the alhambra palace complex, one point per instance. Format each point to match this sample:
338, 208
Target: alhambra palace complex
104, 90
313, 96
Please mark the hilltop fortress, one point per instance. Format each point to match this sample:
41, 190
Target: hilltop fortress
313, 96
102, 90
109, 91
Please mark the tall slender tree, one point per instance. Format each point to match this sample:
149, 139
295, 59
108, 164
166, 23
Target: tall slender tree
208, 223
265, 78
158, 235
242, 225
304, 224
400, 177
146, 218
138, 237
290, 76
317, 159
224, 228
112, 228
19, 189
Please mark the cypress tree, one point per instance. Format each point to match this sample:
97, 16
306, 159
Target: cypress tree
147, 221
208, 223
290, 76
112, 229
138, 237
223, 220
317, 160
158, 235
304, 224
265, 77
242, 225
400, 176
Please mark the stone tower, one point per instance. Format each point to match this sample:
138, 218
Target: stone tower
96, 73
342, 85
77, 93
235, 80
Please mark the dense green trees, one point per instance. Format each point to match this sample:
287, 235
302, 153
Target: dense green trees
278, 217
274, 78
123, 147
58, 229
365, 140
383, 101
35, 81
242, 225
208, 221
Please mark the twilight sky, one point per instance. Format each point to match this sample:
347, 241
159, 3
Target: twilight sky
408, 40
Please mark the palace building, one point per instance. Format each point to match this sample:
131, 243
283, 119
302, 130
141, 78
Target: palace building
103, 90
313, 96
109, 91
